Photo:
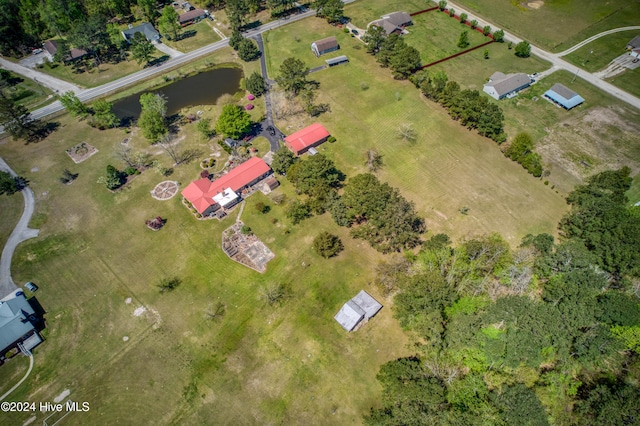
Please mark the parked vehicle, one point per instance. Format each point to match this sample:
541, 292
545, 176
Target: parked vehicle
31, 286
36, 51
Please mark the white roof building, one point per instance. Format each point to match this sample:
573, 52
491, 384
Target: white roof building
361, 307
226, 198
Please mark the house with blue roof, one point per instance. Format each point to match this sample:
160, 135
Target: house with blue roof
563, 96
18, 322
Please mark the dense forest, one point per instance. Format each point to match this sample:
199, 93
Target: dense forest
548, 333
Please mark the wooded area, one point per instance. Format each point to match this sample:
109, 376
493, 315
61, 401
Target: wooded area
546, 333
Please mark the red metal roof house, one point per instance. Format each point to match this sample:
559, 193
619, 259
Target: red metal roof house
309, 137
200, 193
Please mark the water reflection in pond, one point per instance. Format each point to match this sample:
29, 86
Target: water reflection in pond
201, 89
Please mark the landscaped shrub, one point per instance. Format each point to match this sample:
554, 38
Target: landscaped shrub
463, 18
452, 12
486, 29
246, 230
168, 284
250, 97
331, 139
131, 171
155, 224
327, 245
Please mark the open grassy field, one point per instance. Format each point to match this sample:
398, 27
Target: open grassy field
102, 74
628, 81
363, 12
435, 35
599, 53
447, 168
195, 36
11, 207
556, 25
158, 358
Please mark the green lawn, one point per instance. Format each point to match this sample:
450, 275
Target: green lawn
105, 73
290, 364
599, 53
194, 36
628, 81
436, 35
447, 168
556, 25
11, 207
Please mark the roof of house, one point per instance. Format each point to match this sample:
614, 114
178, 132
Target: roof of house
300, 140
190, 15
509, 82
397, 18
51, 46
355, 310
272, 182
369, 305
326, 44
349, 315
386, 25
226, 197
337, 60
564, 96
634, 42
201, 192
145, 28
14, 322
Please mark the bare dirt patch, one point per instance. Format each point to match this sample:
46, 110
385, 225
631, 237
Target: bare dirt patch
165, 190
582, 146
81, 152
62, 396
246, 249
537, 4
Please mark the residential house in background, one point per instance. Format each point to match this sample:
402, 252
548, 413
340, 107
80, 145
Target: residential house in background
51, 47
325, 45
18, 325
393, 23
563, 96
309, 137
192, 16
145, 28
226, 191
634, 43
506, 85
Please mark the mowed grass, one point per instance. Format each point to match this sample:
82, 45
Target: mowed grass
289, 364
556, 25
11, 207
435, 35
599, 53
362, 13
628, 81
447, 168
97, 76
195, 36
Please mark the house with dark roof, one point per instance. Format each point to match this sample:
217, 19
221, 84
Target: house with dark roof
634, 43
387, 26
506, 85
18, 322
145, 28
326, 45
399, 19
357, 311
563, 96
394, 22
309, 137
207, 197
192, 16
51, 47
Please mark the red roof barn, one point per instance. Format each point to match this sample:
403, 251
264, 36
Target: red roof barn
200, 193
310, 136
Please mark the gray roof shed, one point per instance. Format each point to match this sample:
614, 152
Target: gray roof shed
359, 308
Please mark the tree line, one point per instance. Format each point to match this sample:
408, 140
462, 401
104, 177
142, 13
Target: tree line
373, 210
546, 333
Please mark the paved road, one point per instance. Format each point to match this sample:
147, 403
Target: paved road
590, 39
274, 140
46, 80
20, 233
557, 62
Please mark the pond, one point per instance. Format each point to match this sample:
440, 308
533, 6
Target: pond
201, 89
